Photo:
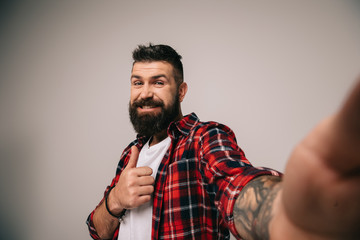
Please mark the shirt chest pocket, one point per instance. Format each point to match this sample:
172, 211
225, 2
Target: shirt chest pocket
183, 173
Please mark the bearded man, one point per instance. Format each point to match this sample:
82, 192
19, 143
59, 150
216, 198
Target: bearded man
186, 179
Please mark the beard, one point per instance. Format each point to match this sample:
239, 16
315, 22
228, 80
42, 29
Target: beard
150, 124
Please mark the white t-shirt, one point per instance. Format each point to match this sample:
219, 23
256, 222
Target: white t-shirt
137, 222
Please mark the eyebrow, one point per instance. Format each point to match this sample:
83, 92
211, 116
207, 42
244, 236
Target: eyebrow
159, 76
135, 76
153, 77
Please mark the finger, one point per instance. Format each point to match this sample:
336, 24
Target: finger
347, 133
143, 171
138, 201
350, 113
336, 140
134, 155
143, 199
145, 190
146, 180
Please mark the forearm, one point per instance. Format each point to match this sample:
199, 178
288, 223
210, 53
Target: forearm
253, 210
104, 223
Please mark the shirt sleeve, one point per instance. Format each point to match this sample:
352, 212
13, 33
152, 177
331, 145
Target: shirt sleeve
225, 166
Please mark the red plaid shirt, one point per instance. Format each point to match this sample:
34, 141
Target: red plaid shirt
197, 182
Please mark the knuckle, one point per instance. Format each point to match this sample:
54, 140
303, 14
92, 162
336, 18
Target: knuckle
147, 198
132, 202
132, 193
131, 182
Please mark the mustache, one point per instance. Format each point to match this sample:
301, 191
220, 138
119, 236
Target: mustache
148, 102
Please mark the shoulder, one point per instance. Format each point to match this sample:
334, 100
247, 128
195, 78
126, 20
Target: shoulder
213, 128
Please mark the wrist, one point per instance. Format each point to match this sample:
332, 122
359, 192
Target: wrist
119, 212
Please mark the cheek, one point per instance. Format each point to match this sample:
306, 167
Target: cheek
134, 95
169, 100
131, 100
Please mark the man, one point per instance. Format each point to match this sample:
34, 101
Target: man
186, 179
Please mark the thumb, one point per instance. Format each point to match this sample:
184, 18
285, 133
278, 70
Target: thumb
350, 113
133, 157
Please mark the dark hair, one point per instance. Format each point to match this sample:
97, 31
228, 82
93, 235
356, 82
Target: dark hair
160, 53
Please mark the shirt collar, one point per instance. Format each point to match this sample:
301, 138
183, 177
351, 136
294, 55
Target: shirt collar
183, 126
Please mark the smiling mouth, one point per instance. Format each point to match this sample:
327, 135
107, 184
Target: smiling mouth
148, 107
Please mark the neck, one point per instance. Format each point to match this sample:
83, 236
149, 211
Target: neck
158, 137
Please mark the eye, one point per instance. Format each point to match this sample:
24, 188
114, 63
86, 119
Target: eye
137, 83
160, 83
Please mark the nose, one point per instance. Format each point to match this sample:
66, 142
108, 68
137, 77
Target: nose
147, 92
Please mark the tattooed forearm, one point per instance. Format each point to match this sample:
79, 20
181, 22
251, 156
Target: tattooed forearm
253, 208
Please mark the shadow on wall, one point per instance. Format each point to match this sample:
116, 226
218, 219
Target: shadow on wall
16, 187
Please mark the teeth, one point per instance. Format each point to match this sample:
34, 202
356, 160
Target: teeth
147, 107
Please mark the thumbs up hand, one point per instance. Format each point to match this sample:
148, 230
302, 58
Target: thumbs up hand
135, 184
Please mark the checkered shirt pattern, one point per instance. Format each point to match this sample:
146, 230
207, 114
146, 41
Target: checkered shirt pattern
197, 182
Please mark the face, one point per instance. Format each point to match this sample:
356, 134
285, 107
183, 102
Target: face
155, 97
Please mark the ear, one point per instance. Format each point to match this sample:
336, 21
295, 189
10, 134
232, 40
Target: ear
182, 91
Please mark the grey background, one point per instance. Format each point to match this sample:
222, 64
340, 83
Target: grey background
268, 69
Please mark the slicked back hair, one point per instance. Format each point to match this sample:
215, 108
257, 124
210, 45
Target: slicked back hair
160, 52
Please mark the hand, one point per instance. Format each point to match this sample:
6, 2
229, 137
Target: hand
322, 178
319, 197
135, 185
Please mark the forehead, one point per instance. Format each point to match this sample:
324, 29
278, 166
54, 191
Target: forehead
150, 68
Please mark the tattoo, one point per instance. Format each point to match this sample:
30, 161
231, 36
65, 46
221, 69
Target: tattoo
253, 208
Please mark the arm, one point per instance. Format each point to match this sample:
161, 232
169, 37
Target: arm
225, 166
104, 223
133, 189
101, 214
319, 197
253, 207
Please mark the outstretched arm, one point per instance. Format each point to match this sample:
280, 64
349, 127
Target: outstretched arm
319, 197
